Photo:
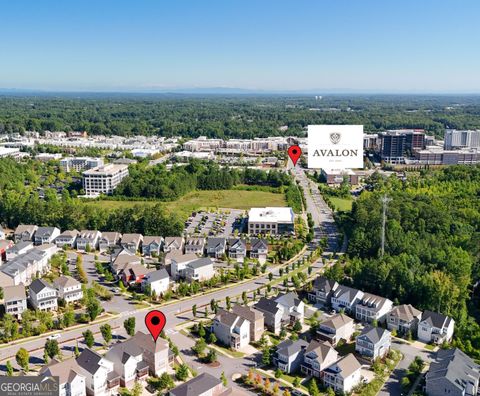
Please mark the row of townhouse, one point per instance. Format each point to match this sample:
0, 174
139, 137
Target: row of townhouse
124, 363
321, 360
26, 264
41, 295
215, 247
282, 310
235, 248
236, 329
366, 307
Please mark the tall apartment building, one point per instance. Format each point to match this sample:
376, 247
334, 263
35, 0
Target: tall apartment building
455, 139
104, 179
80, 163
395, 144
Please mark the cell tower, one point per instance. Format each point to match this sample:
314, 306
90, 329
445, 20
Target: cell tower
385, 200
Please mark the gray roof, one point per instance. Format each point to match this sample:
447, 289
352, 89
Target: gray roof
405, 312
68, 234
225, 317
337, 321
38, 285
111, 236
349, 292
89, 360
455, 366
196, 386
195, 241
22, 262
11, 293
373, 334
44, 231
216, 243
20, 246
436, 319
66, 370
237, 243
373, 301
289, 347
124, 350
25, 227
147, 240
132, 238
65, 281
324, 285
157, 275
267, 305
288, 300
248, 313
201, 262
173, 241
347, 365
146, 343
320, 349
258, 243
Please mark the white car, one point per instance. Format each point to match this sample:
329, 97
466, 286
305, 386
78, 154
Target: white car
54, 337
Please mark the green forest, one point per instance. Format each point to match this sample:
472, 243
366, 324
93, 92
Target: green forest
432, 245
235, 116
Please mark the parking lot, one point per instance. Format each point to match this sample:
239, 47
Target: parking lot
223, 223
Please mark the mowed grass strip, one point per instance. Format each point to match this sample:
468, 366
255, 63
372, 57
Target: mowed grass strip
235, 199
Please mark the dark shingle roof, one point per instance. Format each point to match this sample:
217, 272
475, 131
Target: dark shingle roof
266, 305
289, 347
196, 386
373, 334
435, 319
201, 262
455, 366
38, 285
89, 360
324, 285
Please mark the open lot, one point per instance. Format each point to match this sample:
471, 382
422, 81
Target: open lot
342, 204
235, 199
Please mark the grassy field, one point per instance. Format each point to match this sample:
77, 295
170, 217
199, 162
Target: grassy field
342, 204
235, 199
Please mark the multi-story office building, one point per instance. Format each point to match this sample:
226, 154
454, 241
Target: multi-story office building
455, 139
271, 220
80, 163
438, 156
104, 179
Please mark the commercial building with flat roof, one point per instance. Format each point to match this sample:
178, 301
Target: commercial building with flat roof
103, 179
271, 220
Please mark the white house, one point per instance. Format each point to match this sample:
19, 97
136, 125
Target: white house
199, 270
372, 307
67, 238
343, 375
373, 342
100, 377
127, 359
88, 238
69, 289
15, 300
338, 327
293, 307
318, 356
231, 330
42, 295
435, 327
71, 382
46, 235
345, 298
178, 263
159, 281
24, 267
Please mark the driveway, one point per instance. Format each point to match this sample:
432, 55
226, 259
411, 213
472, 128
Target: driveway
393, 385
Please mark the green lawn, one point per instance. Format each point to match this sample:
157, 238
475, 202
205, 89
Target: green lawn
235, 199
342, 204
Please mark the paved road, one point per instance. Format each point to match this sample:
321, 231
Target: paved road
392, 386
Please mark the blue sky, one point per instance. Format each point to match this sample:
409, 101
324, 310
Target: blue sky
339, 45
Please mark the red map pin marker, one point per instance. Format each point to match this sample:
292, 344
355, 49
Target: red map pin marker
294, 152
155, 322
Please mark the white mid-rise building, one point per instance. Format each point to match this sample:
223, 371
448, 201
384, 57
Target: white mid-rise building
455, 139
104, 179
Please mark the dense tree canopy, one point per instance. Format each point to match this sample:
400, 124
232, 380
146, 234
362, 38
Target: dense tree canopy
431, 247
231, 116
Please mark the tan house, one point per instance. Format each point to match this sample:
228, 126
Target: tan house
338, 327
255, 318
